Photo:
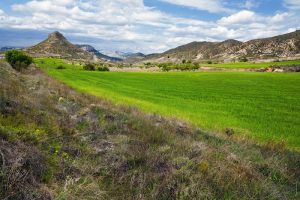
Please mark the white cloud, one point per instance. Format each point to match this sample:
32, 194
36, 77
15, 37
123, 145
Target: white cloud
249, 4
238, 18
292, 4
281, 17
213, 6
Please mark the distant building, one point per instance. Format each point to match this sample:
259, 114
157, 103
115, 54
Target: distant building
1, 57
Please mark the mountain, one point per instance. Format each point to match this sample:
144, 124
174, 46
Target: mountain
130, 55
282, 46
56, 45
93, 51
123, 55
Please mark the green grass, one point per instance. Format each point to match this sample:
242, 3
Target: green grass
263, 106
253, 65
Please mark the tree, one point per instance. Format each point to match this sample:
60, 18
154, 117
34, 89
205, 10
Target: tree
18, 59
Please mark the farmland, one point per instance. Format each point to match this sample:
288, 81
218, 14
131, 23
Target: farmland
262, 106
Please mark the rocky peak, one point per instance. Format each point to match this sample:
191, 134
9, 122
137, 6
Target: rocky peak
56, 45
56, 36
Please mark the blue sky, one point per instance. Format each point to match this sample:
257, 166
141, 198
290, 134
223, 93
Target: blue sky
146, 26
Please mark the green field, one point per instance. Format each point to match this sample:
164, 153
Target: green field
253, 65
263, 106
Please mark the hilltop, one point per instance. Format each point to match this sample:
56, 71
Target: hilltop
56, 45
282, 46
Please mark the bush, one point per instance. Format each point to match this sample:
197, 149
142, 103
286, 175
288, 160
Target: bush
183, 67
60, 67
18, 59
89, 67
165, 66
209, 62
148, 64
121, 66
103, 69
243, 59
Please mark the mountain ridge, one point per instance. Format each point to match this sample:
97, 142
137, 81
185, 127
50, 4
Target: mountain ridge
281, 46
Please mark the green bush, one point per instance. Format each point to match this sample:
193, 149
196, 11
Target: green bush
209, 62
89, 67
103, 69
183, 67
121, 66
148, 64
243, 59
60, 67
165, 66
18, 59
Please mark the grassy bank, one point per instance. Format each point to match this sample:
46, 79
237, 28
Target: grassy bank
263, 106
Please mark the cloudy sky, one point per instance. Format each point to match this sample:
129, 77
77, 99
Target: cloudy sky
146, 26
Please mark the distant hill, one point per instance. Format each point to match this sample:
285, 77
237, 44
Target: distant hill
125, 56
93, 51
282, 46
56, 45
130, 55
3, 49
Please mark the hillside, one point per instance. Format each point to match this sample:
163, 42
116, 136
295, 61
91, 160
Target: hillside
56, 45
56, 143
282, 46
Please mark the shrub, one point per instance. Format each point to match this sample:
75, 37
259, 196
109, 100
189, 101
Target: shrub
103, 69
209, 62
165, 66
121, 66
148, 64
243, 59
18, 59
60, 67
89, 67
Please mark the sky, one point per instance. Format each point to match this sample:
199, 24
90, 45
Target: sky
148, 26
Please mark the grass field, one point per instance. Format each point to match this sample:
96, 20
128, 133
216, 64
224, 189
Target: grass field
263, 106
253, 65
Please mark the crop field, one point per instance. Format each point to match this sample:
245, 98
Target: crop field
253, 65
262, 106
